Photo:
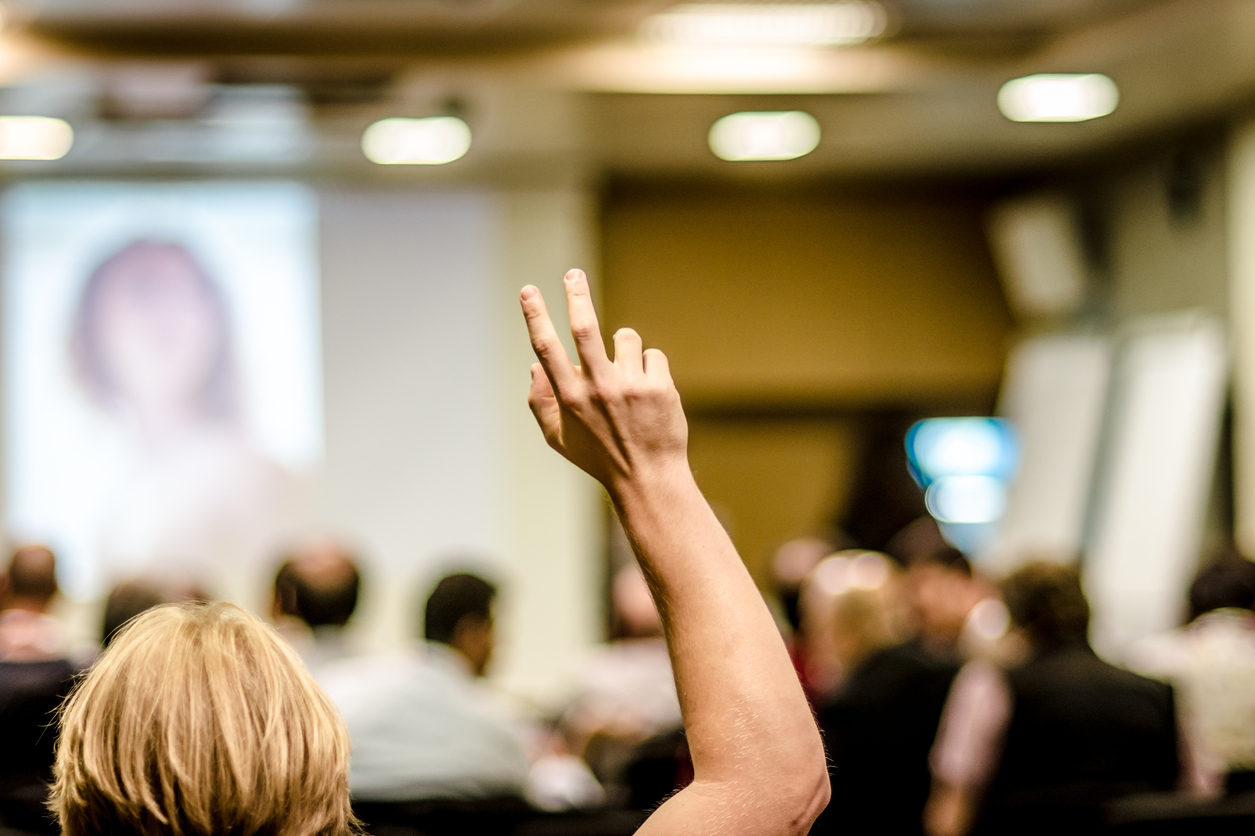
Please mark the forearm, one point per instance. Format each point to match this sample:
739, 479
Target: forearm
750, 730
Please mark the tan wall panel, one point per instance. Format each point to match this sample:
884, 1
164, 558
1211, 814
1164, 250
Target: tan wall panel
806, 297
771, 481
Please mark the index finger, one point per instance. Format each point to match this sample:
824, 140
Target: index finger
584, 328
549, 351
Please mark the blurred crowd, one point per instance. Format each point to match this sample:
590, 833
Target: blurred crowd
950, 702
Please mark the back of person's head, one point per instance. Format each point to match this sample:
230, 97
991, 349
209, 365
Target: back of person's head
320, 585
862, 625
1229, 581
32, 575
200, 721
126, 601
457, 599
1045, 599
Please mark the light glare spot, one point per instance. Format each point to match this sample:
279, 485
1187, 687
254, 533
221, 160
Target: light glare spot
832, 575
764, 135
1058, 98
868, 571
784, 24
434, 140
34, 138
966, 499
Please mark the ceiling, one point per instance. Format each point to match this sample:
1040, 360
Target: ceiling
569, 86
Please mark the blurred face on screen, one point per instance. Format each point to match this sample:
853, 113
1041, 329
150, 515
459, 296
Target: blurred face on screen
157, 331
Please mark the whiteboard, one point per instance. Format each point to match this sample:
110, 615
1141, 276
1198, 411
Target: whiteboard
1054, 393
1166, 410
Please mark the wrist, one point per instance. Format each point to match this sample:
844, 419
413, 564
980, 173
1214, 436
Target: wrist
660, 483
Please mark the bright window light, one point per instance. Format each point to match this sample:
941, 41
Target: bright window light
1058, 98
34, 138
435, 140
783, 24
780, 135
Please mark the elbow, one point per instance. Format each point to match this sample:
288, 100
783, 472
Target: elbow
813, 792
802, 791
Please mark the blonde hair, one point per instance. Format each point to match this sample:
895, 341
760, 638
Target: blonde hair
200, 720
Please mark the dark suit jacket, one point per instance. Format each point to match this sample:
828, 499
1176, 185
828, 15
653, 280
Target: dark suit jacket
878, 731
1082, 732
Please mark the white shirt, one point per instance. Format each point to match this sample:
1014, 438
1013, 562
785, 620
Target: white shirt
627, 685
1211, 662
422, 727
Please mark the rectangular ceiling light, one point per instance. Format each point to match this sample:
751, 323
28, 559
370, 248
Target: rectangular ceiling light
777, 24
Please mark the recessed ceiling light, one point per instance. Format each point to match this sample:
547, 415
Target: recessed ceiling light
769, 135
776, 24
1058, 98
434, 140
34, 138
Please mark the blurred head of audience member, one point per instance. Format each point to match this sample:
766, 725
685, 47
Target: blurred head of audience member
458, 613
233, 737
943, 592
315, 594
1048, 605
319, 585
1227, 583
790, 565
31, 581
861, 626
27, 631
831, 644
635, 615
126, 601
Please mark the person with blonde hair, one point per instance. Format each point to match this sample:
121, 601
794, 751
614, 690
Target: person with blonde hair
199, 720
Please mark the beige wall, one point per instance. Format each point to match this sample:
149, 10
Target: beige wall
783, 313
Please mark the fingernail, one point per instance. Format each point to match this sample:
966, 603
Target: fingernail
572, 275
528, 292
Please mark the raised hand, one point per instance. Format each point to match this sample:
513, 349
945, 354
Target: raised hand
758, 763
621, 420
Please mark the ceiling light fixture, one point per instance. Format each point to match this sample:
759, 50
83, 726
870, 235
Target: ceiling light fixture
781, 24
34, 138
434, 140
1058, 98
770, 135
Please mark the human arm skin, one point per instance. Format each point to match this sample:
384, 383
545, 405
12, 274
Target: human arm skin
758, 762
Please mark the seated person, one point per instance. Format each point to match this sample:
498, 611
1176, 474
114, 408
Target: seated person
422, 726
624, 691
35, 675
141, 753
315, 594
1042, 747
881, 723
1211, 663
126, 601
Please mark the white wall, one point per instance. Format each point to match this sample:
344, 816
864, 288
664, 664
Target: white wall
431, 449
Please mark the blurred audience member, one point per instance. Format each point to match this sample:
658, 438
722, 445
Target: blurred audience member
624, 694
422, 727
35, 676
1041, 748
790, 566
881, 723
125, 601
947, 600
27, 632
315, 594
1211, 663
